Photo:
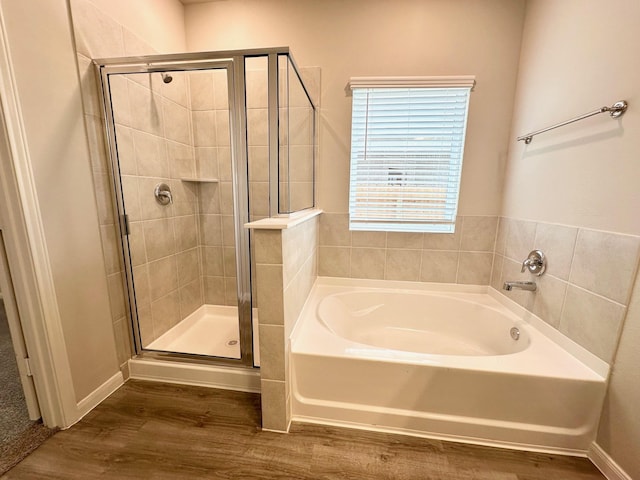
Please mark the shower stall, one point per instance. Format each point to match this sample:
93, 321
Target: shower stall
200, 145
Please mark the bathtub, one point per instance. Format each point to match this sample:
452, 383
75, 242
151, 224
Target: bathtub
454, 362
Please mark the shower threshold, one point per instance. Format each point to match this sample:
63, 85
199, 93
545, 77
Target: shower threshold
210, 330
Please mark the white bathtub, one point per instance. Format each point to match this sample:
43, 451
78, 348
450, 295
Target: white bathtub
439, 361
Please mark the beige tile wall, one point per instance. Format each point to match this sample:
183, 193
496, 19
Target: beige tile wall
257, 137
257, 149
465, 256
286, 264
155, 146
585, 291
209, 96
296, 140
98, 35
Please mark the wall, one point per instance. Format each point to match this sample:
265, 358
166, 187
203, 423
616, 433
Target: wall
587, 171
156, 22
99, 35
619, 434
41, 45
389, 38
581, 182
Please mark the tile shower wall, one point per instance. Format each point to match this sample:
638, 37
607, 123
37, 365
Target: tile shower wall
286, 264
465, 256
585, 290
257, 138
296, 120
257, 150
155, 146
210, 115
97, 35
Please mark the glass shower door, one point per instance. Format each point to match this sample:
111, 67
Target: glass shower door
175, 172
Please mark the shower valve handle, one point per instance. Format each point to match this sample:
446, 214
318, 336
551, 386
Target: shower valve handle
163, 194
535, 262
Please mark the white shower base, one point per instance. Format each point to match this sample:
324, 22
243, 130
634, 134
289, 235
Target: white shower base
210, 330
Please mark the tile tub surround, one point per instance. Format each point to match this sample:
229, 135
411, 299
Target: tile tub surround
585, 290
465, 256
286, 268
583, 294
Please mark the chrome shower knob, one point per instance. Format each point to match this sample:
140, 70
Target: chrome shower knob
163, 195
535, 262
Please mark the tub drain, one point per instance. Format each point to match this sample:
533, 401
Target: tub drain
232, 342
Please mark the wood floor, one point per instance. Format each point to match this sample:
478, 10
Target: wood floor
157, 431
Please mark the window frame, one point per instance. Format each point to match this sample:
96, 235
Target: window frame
429, 207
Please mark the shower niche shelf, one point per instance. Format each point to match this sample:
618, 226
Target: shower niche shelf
200, 179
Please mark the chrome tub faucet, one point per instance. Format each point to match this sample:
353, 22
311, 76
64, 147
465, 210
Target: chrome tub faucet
536, 263
530, 286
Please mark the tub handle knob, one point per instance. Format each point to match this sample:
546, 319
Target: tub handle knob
535, 262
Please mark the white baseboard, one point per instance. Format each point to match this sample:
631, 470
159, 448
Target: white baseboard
606, 464
92, 400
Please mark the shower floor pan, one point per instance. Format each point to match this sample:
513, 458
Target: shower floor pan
210, 330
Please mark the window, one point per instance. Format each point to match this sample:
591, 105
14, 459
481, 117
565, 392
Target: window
407, 144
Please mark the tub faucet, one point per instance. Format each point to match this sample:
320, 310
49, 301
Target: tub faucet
531, 286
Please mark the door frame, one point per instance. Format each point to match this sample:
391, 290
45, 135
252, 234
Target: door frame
28, 259
17, 335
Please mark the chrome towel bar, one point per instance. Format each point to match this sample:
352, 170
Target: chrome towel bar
615, 111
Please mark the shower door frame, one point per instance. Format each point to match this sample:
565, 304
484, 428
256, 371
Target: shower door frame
234, 62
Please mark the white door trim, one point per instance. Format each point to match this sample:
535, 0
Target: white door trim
29, 259
17, 336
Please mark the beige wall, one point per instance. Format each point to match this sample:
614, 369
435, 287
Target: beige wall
407, 37
40, 41
619, 433
157, 22
585, 176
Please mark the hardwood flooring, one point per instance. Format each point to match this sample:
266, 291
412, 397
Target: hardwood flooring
158, 431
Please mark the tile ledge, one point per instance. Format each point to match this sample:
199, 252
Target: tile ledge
282, 223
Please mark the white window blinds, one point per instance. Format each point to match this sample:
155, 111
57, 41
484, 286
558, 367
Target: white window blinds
407, 146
